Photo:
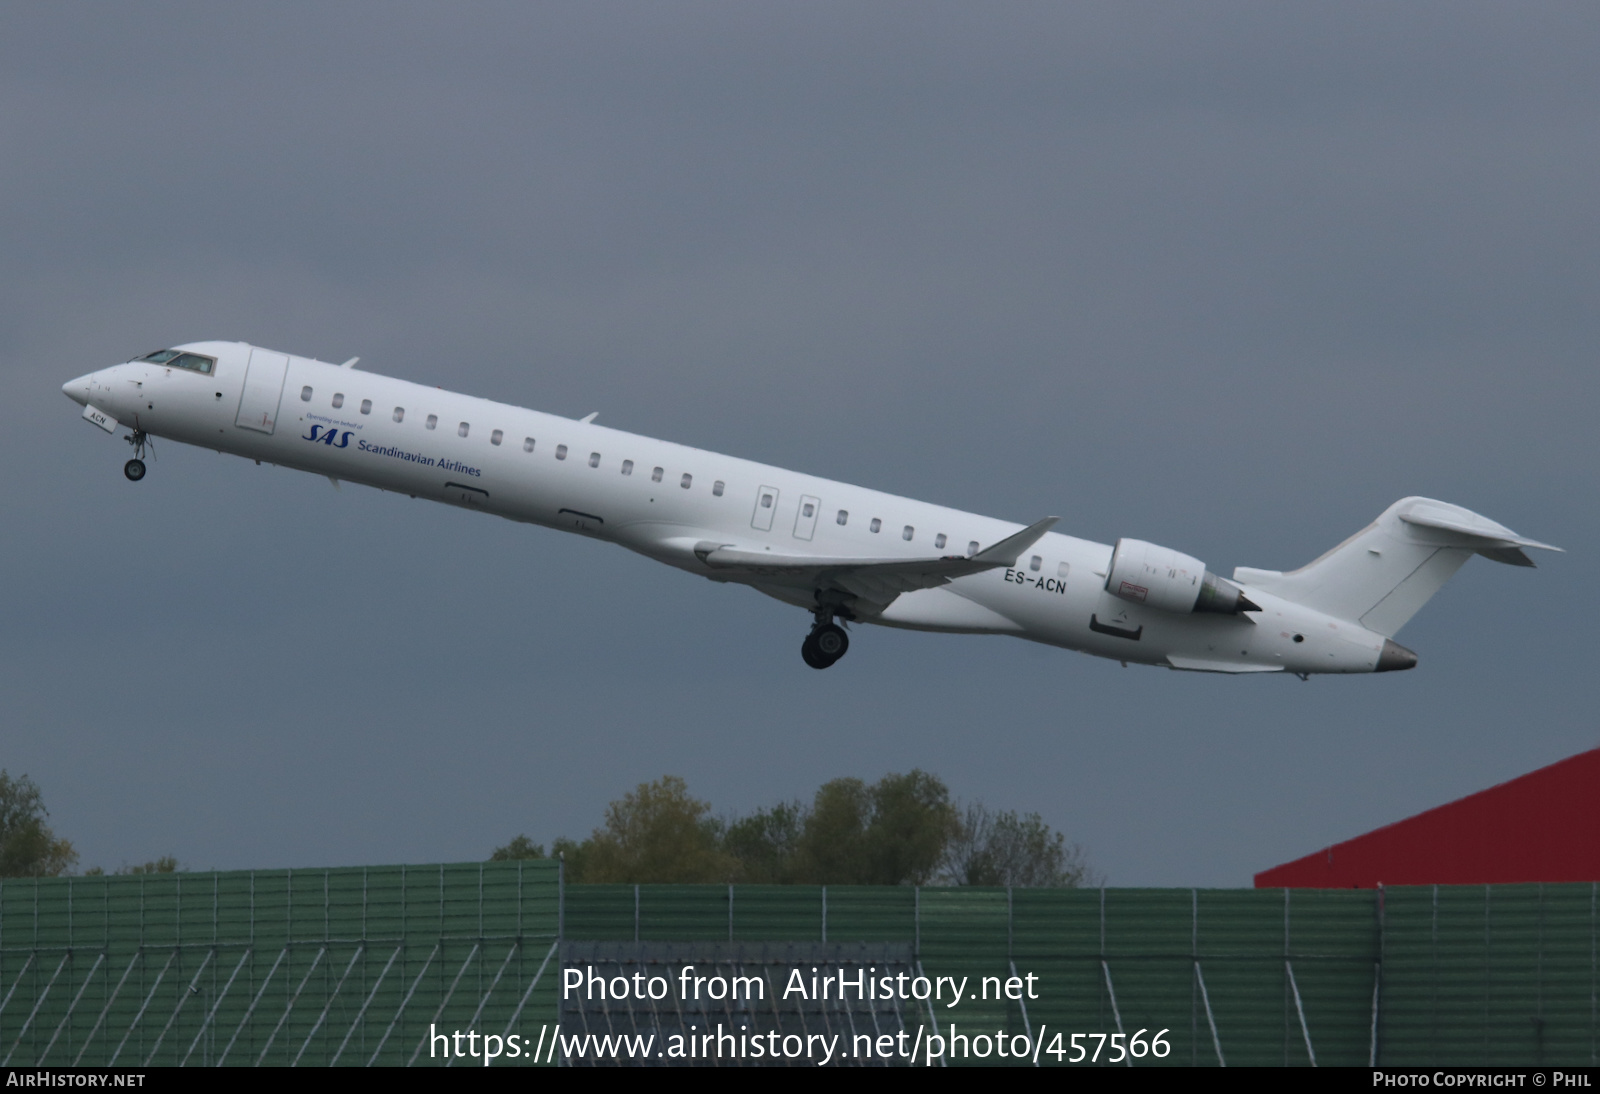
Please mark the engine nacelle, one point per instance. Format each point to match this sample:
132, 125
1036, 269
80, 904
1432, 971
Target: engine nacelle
1159, 577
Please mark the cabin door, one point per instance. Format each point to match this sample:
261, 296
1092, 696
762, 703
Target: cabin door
263, 391
766, 506
805, 518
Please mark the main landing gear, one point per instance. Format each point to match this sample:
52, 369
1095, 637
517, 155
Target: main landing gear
826, 643
134, 468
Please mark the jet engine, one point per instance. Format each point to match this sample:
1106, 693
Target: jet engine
1159, 577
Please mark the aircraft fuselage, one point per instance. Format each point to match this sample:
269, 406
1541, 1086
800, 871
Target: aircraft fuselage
688, 508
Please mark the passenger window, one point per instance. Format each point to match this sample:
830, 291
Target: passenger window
366, 406
497, 436
627, 467
807, 509
561, 451
687, 479
1061, 569
399, 413
972, 548
1034, 563
461, 430
938, 541
305, 395
433, 421
527, 444
717, 488
908, 533
766, 501
655, 476
844, 516
876, 524
338, 400
594, 459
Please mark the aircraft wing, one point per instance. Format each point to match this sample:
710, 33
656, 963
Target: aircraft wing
876, 581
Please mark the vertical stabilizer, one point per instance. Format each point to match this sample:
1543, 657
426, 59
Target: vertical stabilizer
1384, 574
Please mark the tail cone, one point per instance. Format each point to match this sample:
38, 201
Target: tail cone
1395, 657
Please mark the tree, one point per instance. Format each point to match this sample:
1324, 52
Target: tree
574, 857
893, 832
1003, 848
765, 843
166, 864
912, 823
900, 830
658, 833
519, 848
832, 848
27, 846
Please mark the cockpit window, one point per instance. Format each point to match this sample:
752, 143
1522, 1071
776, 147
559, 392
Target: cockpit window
177, 359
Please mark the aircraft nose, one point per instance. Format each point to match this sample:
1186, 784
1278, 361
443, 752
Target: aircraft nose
77, 390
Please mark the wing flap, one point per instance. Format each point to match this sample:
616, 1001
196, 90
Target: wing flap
1197, 664
875, 580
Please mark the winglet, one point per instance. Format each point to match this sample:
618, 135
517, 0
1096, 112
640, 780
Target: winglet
1008, 550
350, 363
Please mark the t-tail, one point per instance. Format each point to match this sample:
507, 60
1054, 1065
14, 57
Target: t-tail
1383, 575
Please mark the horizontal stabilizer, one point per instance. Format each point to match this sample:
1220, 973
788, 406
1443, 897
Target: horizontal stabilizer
1482, 534
1511, 556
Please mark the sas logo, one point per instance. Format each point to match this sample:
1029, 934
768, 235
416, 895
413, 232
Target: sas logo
330, 437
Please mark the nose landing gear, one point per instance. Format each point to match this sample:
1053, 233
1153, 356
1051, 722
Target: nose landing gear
134, 468
826, 643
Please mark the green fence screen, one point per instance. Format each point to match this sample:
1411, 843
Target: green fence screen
358, 966
284, 967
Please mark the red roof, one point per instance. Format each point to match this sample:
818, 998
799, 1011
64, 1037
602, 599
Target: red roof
1543, 826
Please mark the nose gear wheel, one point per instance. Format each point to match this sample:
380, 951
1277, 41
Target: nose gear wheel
133, 470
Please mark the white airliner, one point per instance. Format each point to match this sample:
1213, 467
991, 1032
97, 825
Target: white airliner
840, 552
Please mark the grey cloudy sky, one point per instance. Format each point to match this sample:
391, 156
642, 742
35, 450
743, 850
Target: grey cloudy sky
1228, 277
